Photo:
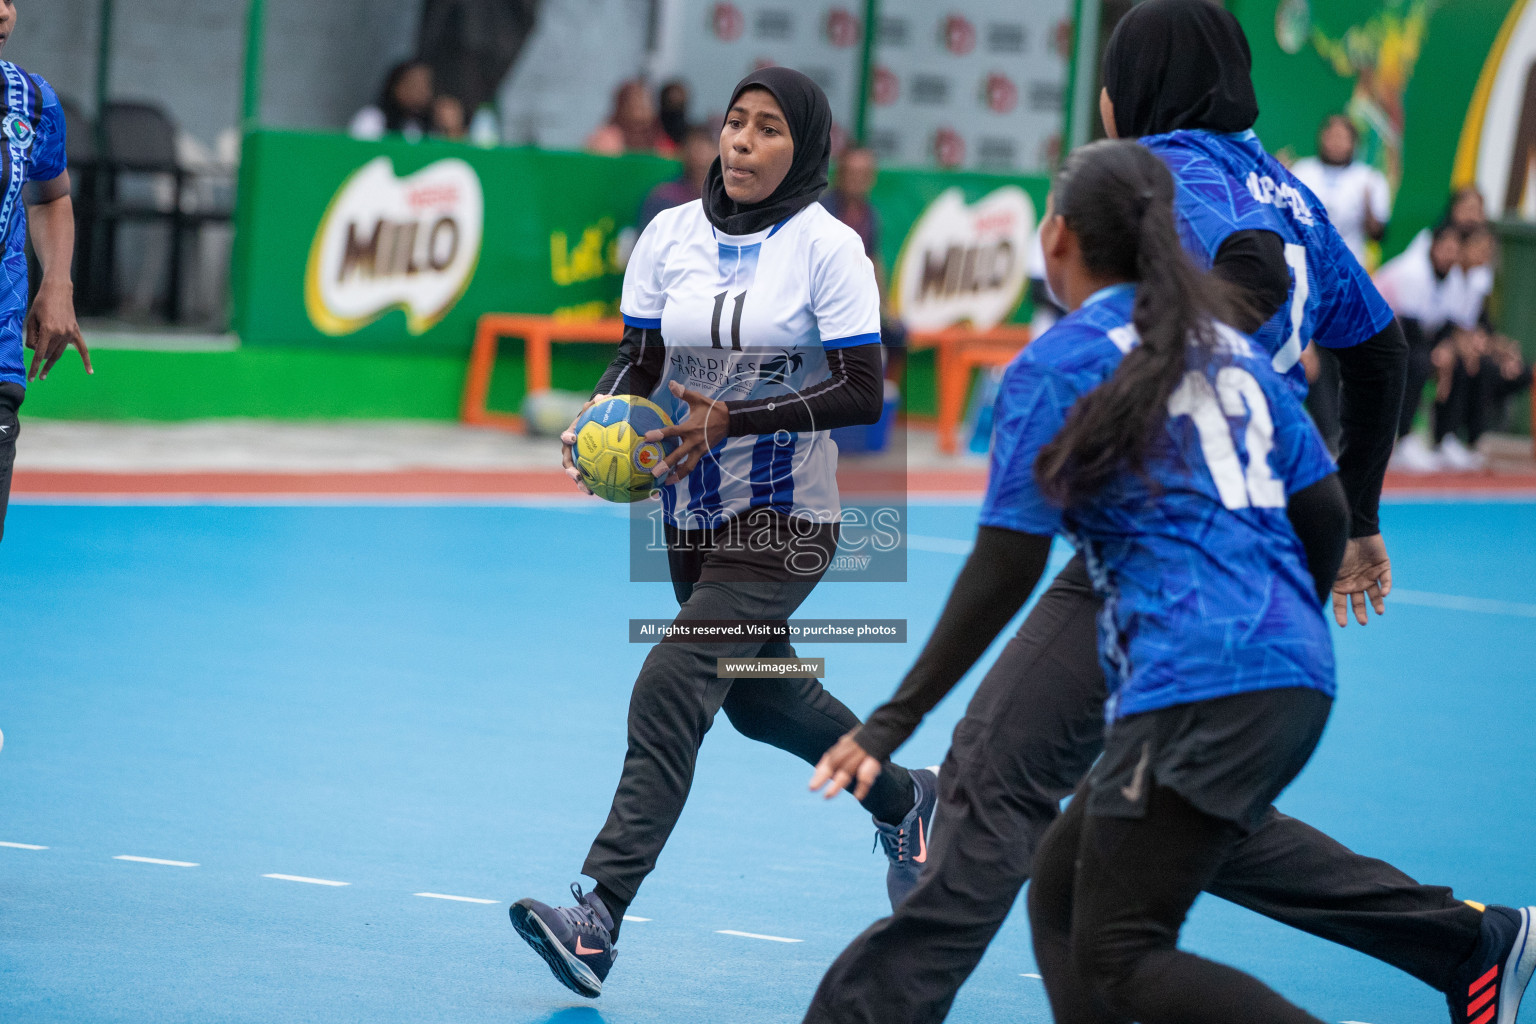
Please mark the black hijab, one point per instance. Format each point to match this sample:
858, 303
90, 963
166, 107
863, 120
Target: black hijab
1174, 64
809, 115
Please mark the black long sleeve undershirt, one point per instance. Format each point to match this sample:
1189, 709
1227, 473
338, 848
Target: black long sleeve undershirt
853, 394
998, 577
1320, 516
639, 366
1372, 376
1254, 261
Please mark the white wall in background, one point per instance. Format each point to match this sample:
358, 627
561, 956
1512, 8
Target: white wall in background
562, 86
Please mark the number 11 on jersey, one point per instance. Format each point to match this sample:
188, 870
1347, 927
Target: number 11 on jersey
714, 323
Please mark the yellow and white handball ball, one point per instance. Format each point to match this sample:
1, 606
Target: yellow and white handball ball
615, 460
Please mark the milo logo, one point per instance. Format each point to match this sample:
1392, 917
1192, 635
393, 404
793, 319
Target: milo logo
388, 242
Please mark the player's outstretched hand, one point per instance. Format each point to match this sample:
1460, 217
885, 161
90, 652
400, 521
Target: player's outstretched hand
1365, 572
568, 438
707, 423
52, 328
843, 764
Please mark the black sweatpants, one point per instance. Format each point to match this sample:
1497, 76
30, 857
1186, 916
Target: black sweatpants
1029, 735
11, 396
1106, 909
677, 695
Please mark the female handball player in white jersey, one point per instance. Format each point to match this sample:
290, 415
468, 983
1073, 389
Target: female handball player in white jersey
753, 318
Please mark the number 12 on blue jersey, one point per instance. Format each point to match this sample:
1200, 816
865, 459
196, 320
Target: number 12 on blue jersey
1235, 393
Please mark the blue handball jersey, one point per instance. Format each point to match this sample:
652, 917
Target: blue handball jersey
31, 149
1206, 588
1229, 183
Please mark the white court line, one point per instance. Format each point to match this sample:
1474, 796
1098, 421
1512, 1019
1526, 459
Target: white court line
754, 935
156, 860
1351, 1022
1462, 604
301, 878
628, 917
1035, 976
23, 846
428, 895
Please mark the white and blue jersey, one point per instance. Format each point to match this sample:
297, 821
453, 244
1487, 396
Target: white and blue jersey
752, 317
1229, 183
31, 149
1205, 583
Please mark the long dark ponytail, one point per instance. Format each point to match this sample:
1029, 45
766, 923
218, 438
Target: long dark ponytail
1117, 197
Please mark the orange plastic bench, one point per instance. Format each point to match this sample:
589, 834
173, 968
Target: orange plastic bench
538, 334
959, 350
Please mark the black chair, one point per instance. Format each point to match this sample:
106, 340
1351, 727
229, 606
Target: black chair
140, 139
79, 135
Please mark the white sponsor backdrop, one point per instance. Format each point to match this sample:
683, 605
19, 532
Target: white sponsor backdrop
969, 83
713, 45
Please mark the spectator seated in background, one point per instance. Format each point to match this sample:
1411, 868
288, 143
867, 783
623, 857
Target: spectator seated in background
1466, 209
1356, 195
672, 104
1427, 289
633, 126
700, 146
404, 106
448, 122
1477, 259
848, 201
1476, 371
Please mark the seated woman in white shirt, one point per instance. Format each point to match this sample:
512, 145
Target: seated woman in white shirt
1427, 288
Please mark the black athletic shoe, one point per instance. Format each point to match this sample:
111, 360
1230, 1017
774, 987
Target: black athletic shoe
1489, 985
906, 845
576, 942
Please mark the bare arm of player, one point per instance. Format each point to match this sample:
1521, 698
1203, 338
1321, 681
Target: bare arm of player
998, 577
51, 324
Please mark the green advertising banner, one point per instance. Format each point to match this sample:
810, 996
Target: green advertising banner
390, 244
393, 245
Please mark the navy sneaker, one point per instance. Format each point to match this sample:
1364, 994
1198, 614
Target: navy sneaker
906, 845
1489, 985
576, 942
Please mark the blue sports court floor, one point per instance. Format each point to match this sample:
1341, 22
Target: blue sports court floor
431, 700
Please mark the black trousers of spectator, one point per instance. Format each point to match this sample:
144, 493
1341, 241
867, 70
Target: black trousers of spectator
1029, 736
11, 396
1475, 403
1421, 344
677, 695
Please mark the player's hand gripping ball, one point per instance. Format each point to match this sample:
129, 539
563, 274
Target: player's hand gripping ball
612, 454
